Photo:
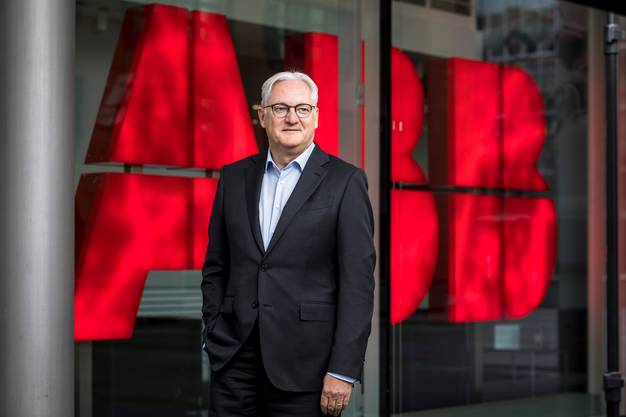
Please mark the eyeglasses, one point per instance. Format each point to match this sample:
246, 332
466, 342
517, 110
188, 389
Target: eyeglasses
280, 110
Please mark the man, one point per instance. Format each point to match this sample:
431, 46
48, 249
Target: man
287, 281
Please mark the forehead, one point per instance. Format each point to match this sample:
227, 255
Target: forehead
290, 92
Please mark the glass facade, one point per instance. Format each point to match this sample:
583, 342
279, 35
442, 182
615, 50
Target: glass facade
505, 317
145, 69
494, 252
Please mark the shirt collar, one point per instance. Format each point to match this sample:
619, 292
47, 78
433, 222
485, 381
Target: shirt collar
300, 161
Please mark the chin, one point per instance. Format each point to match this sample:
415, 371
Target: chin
292, 142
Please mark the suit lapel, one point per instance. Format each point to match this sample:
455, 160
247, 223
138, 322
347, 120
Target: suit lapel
254, 177
313, 174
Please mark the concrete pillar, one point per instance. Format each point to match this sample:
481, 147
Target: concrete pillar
36, 208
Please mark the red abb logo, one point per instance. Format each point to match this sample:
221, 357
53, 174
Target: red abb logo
491, 253
481, 225
158, 108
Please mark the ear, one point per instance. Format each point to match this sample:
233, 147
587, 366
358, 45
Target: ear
317, 115
261, 113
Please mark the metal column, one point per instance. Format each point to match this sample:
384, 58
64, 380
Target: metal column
36, 208
371, 131
386, 360
613, 381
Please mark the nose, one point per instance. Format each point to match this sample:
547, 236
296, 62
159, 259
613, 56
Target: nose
292, 117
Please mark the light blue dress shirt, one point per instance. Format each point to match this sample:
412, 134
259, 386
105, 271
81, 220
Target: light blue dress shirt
276, 187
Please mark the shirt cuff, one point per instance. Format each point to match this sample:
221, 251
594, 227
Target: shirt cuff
342, 377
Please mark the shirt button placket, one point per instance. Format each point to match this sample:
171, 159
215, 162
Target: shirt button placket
279, 191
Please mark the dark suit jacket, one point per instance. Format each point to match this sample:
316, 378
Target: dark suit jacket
311, 291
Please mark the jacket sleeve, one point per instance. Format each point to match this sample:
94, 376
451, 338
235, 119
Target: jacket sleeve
215, 269
356, 257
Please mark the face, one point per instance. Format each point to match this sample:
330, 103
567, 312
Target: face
290, 134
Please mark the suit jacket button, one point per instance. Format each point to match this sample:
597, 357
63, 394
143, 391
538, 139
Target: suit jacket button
255, 304
264, 267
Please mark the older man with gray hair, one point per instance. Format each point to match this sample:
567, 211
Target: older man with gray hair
287, 281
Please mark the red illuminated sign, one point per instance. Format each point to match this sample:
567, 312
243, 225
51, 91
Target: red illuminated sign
159, 108
486, 130
478, 232
414, 220
164, 86
128, 225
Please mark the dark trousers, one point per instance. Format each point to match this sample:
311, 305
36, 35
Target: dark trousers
242, 389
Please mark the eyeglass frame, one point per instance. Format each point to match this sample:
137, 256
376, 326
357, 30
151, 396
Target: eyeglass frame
289, 109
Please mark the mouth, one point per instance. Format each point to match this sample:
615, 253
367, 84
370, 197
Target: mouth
291, 130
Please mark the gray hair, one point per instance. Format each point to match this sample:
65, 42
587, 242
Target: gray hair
285, 76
